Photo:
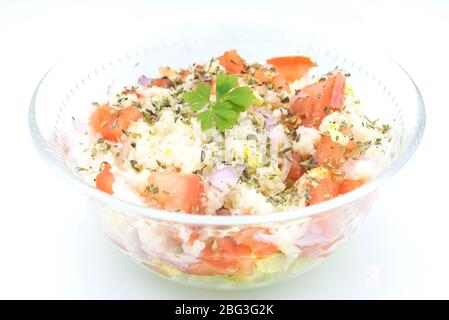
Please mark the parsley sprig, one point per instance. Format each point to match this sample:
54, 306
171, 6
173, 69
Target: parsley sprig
231, 100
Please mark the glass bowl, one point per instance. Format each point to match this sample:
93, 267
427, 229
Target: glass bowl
151, 236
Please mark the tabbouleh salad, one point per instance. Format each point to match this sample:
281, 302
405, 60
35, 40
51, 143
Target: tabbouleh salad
228, 137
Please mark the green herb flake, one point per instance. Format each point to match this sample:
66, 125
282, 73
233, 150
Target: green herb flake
152, 189
136, 166
308, 164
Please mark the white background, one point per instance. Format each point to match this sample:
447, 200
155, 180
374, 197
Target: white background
51, 248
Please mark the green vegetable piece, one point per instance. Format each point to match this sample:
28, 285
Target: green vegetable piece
242, 97
231, 101
224, 84
198, 98
206, 119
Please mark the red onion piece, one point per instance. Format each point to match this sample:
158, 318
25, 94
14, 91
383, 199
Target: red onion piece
223, 212
313, 236
143, 80
224, 179
270, 121
124, 151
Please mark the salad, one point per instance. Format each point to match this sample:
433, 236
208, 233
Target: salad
229, 137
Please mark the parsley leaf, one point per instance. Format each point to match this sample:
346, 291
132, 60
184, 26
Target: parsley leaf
225, 114
224, 84
206, 119
241, 96
199, 98
230, 101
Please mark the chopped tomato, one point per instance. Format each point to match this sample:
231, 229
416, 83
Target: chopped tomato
352, 150
324, 190
260, 248
110, 123
280, 83
316, 101
183, 73
329, 153
129, 114
193, 237
226, 257
232, 62
291, 60
228, 247
176, 191
338, 92
264, 75
296, 169
105, 179
160, 82
292, 67
216, 267
348, 185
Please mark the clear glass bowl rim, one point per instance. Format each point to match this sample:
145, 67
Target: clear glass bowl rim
288, 215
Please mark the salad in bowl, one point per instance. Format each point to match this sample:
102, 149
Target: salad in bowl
225, 172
